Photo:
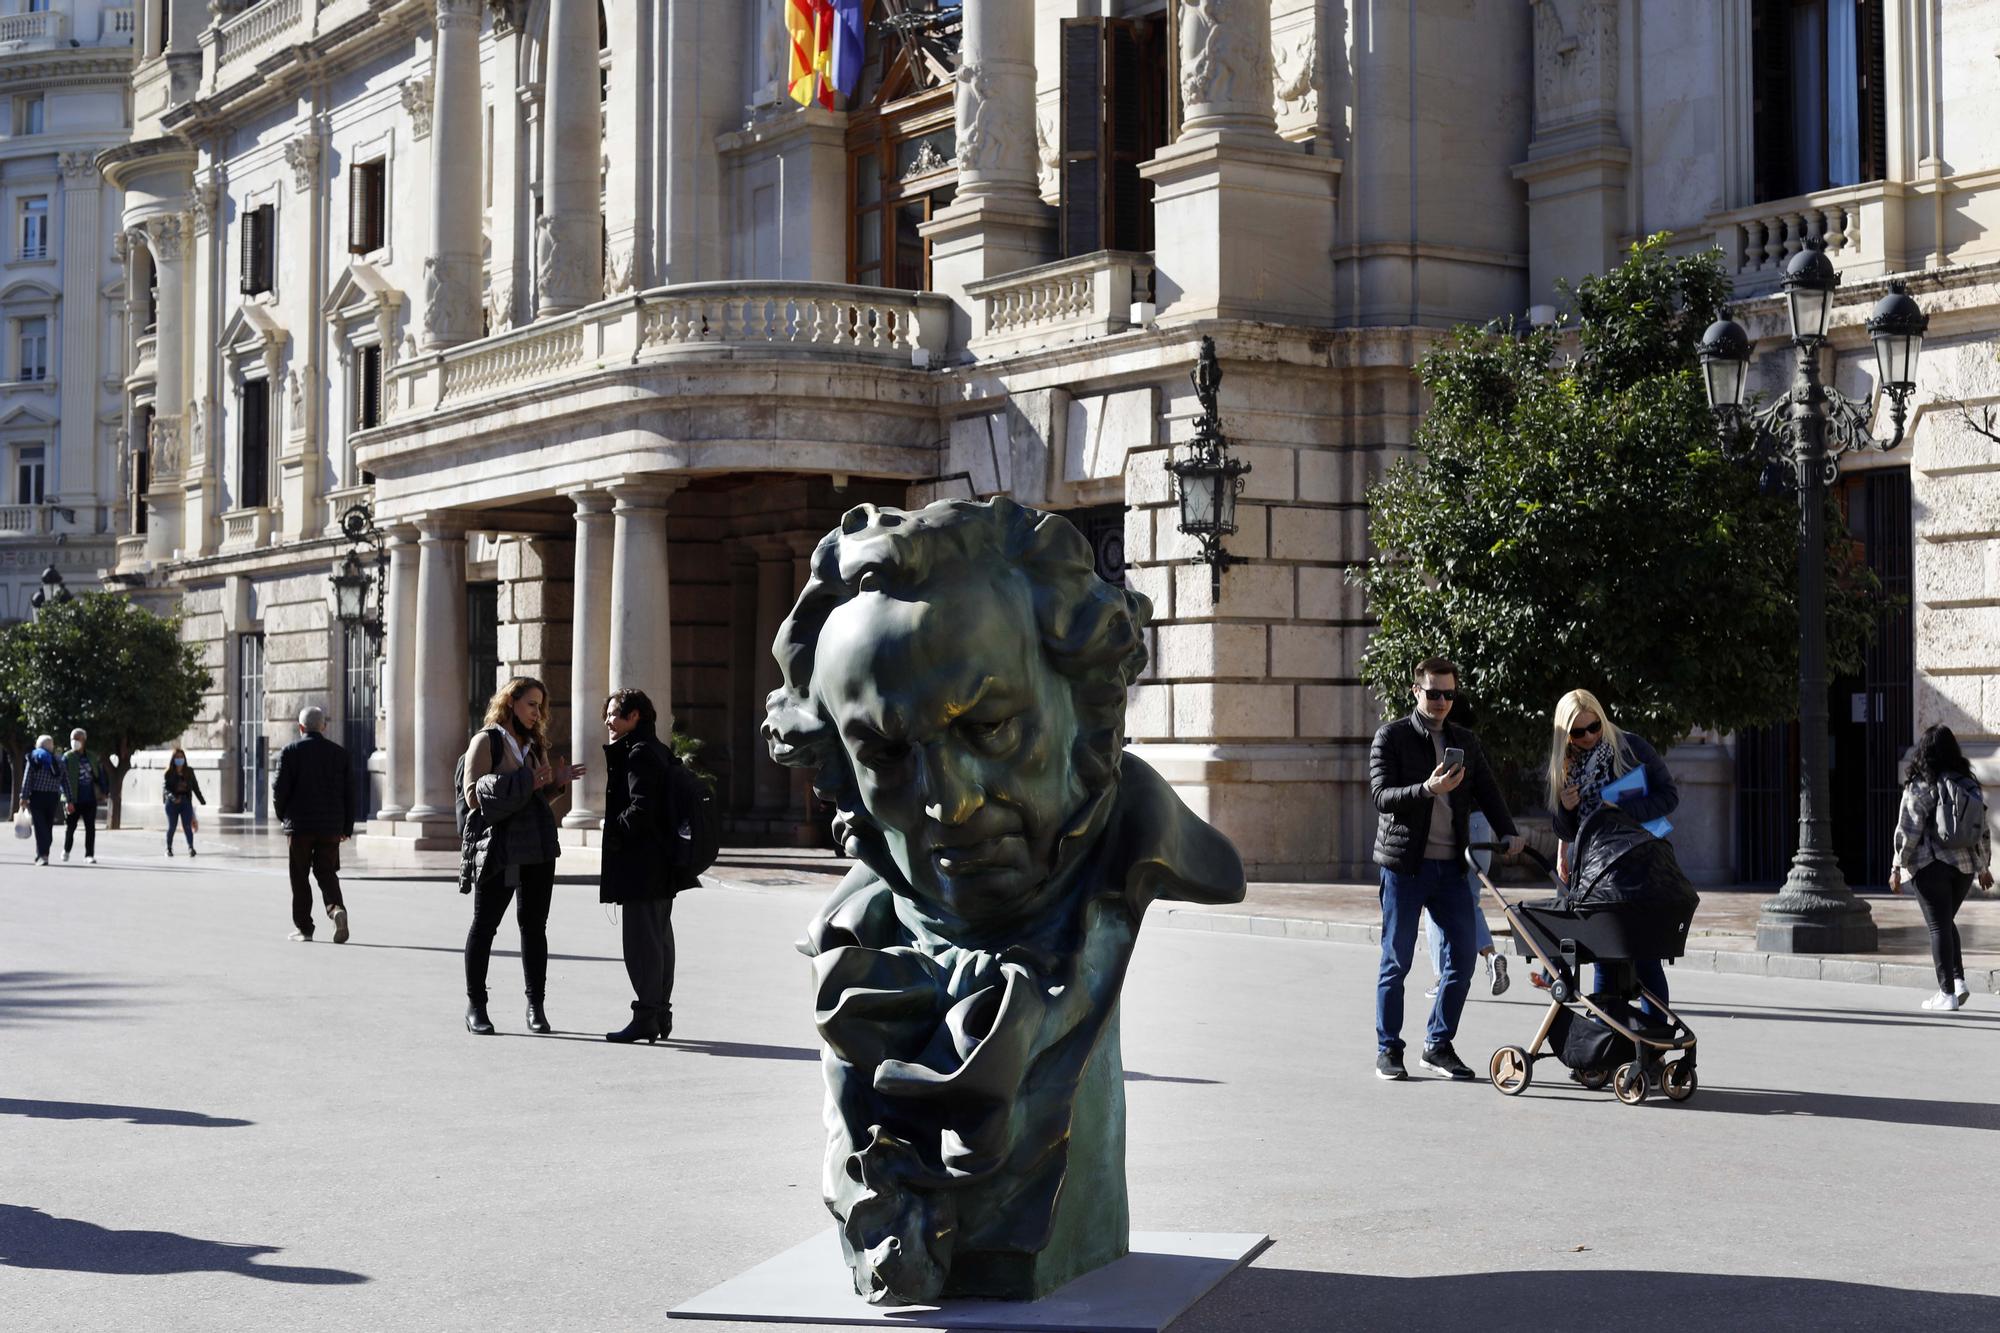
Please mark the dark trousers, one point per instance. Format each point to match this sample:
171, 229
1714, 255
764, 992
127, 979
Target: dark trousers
1941, 891
88, 814
1438, 887
649, 955
44, 808
180, 813
320, 854
489, 909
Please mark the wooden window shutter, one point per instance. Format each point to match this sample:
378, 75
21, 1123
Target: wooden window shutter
358, 228
1775, 167
267, 226
246, 244
369, 399
1082, 135
256, 436
1870, 45
1135, 118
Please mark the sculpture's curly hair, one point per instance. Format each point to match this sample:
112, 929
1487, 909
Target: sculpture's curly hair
1092, 632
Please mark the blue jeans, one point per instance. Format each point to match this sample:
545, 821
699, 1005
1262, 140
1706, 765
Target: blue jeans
181, 813
1482, 937
1652, 975
1441, 889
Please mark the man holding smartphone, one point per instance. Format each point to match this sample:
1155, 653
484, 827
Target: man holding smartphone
1419, 768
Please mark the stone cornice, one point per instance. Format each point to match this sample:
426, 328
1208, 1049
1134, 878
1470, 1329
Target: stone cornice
30, 71
386, 26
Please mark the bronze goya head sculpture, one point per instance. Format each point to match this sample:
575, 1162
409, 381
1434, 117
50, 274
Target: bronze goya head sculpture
956, 677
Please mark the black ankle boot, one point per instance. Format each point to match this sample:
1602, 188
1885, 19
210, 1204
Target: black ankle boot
643, 1027
476, 1019
537, 1020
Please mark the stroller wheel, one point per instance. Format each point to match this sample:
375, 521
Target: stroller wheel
1629, 1083
1679, 1081
1511, 1070
1593, 1078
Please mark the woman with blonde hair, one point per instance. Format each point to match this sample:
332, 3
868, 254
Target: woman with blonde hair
1588, 752
516, 792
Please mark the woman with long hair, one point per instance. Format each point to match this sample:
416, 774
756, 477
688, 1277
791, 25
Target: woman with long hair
518, 792
180, 789
1588, 752
1940, 794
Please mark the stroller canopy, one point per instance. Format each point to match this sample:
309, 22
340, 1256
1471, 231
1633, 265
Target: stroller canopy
1618, 863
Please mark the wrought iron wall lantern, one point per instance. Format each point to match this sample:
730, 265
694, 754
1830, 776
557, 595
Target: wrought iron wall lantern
1207, 480
361, 583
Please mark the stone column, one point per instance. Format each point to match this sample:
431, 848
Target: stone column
167, 237
774, 603
1229, 194
590, 653
569, 237
642, 650
451, 271
399, 677
82, 260
439, 728
998, 223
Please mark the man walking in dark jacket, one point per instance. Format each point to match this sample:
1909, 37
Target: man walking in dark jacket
315, 801
637, 868
1418, 768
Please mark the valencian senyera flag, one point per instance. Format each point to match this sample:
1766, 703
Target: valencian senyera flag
826, 39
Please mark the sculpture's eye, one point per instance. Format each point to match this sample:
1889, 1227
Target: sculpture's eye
885, 755
991, 737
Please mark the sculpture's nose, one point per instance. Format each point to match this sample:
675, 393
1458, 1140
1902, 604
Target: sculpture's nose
950, 795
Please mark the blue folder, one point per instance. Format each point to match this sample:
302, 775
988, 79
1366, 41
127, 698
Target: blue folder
1634, 784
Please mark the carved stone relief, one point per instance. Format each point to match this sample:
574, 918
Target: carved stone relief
165, 235
617, 270
450, 309
164, 448
302, 154
1576, 65
1048, 157
416, 94
76, 167
562, 255
500, 305
979, 134
1225, 58
1295, 75
202, 201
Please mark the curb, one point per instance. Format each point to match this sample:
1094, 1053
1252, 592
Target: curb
1732, 962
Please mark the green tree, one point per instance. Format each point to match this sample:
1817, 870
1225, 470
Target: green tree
104, 664
1569, 521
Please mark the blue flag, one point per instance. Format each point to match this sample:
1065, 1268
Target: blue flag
850, 30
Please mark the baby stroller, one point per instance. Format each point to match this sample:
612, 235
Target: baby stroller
1626, 899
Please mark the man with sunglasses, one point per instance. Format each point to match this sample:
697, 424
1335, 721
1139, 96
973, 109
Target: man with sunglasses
1423, 815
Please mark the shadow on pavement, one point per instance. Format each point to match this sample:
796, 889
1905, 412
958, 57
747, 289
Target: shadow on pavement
1858, 1019
1277, 1300
137, 1115
31, 1238
1846, 1106
28, 996
497, 953
1134, 1076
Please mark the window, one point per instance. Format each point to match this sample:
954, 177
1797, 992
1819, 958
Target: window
33, 339
901, 172
35, 227
152, 297
367, 387
28, 114
142, 472
37, 7
482, 648
30, 474
367, 206
258, 227
254, 434
1114, 117
1821, 110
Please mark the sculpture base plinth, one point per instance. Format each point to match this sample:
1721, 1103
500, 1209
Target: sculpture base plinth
1165, 1273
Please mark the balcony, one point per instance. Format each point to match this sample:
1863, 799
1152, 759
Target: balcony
26, 520
1069, 301
246, 529
33, 32
1855, 222
695, 321
118, 27
260, 26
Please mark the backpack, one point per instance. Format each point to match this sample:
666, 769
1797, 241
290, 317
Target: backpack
699, 837
1960, 814
461, 813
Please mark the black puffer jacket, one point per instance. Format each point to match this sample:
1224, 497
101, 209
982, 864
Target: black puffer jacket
639, 820
1398, 763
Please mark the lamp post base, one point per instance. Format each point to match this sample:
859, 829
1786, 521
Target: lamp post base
1816, 913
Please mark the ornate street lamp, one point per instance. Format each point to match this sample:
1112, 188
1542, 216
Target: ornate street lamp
355, 580
1206, 477
1808, 429
52, 592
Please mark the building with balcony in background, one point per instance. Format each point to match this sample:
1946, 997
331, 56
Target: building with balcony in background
608, 332
65, 71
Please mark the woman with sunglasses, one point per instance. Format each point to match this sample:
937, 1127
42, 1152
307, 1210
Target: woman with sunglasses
1586, 753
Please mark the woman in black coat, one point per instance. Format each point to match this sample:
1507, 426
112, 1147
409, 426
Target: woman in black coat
637, 867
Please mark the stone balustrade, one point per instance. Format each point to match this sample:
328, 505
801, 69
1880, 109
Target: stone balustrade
1758, 241
119, 24
131, 551
50, 27
1069, 301
260, 26
244, 529
24, 520
694, 320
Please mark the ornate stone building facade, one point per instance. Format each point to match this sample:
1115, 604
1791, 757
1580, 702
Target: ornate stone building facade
608, 332
64, 68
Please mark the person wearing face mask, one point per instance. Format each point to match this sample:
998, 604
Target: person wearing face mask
1586, 753
87, 781
44, 791
519, 795
180, 789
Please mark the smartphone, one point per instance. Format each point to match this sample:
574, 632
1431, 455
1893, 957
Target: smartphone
1454, 757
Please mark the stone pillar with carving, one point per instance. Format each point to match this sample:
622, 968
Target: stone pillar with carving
1577, 162
167, 237
590, 652
82, 262
997, 223
1244, 221
399, 677
449, 314
569, 236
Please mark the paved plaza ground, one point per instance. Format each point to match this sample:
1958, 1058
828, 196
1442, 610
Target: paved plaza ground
206, 1126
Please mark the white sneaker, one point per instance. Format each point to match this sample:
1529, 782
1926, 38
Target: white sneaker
1945, 1001
90, 860
1958, 989
1432, 993
65, 858
1496, 972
